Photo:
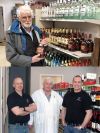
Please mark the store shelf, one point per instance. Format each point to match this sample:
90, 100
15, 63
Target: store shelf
97, 85
74, 20
76, 54
66, 20
96, 107
61, 89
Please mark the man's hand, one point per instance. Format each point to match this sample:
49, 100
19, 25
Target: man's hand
79, 127
30, 126
40, 50
36, 58
43, 42
31, 108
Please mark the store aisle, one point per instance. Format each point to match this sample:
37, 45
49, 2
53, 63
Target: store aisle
3, 60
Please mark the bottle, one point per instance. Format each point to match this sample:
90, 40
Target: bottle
91, 10
76, 13
67, 7
78, 42
71, 44
94, 120
93, 97
84, 45
83, 9
71, 10
98, 122
90, 43
97, 9
98, 98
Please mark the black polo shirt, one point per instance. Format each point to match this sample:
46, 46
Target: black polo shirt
76, 105
14, 99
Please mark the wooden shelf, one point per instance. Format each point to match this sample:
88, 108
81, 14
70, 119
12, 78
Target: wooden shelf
76, 54
93, 21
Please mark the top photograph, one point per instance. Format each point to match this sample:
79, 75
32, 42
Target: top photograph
53, 33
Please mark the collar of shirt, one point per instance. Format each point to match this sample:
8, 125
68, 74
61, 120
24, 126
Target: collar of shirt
30, 33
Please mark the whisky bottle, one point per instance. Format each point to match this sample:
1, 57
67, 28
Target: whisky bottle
84, 45
90, 43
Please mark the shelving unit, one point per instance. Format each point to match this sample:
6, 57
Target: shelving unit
93, 21
85, 25
76, 54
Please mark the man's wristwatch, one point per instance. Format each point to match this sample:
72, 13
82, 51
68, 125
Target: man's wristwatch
24, 109
80, 127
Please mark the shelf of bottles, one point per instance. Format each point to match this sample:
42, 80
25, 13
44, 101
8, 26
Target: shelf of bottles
94, 91
70, 41
61, 87
55, 58
78, 10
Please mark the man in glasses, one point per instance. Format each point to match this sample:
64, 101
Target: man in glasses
24, 39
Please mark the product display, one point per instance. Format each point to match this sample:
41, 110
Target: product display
72, 9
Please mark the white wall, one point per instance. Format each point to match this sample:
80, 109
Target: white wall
0, 100
67, 72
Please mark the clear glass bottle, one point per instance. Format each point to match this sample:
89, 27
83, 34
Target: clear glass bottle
97, 6
67, 7
76, 6
83, 9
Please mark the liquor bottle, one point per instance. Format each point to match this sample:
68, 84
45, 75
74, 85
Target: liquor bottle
71, 44
83, 9
67, 7
90, 43
98, 122
76, 13
94, 120
93, 97
78, 41
91, 10
97, 9
98, 98
71, 10
84, 45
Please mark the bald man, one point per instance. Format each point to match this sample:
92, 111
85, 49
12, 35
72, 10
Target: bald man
20, 105
49, 102
24, 40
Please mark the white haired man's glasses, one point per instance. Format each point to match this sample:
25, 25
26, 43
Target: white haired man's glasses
26, 17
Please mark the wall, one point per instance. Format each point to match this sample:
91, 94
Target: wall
0, 101
67, 72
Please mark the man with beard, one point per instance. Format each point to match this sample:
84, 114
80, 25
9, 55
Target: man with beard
24, 39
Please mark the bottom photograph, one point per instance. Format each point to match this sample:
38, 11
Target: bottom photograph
50, 100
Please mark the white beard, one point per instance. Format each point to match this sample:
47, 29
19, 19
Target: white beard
27, 25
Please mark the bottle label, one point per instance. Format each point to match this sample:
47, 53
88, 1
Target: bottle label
76, 11
83, 10
71, 12
93, 125
66, 12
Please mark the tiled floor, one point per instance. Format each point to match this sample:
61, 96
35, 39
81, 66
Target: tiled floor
3, 60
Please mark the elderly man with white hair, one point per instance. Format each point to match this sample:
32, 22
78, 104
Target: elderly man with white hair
49, 103
23, 40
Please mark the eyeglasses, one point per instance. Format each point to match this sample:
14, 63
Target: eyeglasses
26, 17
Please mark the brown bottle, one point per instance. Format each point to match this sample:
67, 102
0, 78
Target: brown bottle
91, 43
71, 44
78, 42
84, 44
